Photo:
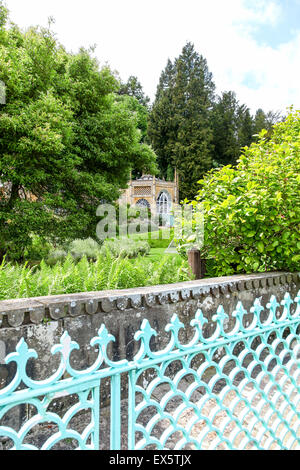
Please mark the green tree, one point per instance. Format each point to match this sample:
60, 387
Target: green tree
245, 127
259, 121
132, 95
252, 212
66, 142
162, 129
179, 124
134, 88
235, 128
266, 121
225, 125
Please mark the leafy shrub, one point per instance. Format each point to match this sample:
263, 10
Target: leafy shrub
80, 248
55, 256
168, 270
125, 248
38, 249
90, 249
252, 212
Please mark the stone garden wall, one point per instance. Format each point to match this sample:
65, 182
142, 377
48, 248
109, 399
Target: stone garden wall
42, 321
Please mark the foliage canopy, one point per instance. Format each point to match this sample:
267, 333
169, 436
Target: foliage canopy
179, 127
252, 212
67, 142
192, 129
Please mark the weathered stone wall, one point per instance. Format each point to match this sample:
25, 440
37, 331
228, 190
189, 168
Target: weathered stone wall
42, 321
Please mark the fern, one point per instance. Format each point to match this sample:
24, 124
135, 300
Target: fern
70, 276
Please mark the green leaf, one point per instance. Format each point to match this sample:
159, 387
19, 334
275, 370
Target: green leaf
255, 266
260, 247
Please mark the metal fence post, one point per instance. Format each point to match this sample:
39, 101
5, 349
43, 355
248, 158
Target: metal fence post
131, 409
96, 417
115, 413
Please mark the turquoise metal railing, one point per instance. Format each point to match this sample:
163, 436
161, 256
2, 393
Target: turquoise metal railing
235, 386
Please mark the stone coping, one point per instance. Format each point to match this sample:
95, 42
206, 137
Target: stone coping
35, 310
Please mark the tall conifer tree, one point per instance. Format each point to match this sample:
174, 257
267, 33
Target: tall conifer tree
179, 125
266, 121
225, 123
162, 131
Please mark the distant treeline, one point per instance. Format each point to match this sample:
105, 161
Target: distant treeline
190, 127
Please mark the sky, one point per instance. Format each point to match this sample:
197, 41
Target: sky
252, 47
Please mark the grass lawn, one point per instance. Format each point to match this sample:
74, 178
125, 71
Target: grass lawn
157, 253
164, 234
159, 241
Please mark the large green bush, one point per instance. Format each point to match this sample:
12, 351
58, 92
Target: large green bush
68, 141
89, 248
252, 211
38, 250
125, 248
78, 249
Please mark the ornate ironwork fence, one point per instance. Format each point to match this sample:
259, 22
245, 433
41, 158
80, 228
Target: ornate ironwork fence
235, 386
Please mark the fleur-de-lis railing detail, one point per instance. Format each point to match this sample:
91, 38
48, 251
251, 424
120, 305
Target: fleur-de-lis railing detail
225, 333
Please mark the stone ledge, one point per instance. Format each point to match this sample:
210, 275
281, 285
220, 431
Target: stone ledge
14, 313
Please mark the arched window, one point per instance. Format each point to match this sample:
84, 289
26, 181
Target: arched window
143, 203
163, 203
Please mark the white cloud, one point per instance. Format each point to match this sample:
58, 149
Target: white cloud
263, 12
137, 37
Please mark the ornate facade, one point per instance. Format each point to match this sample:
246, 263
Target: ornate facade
156, 194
